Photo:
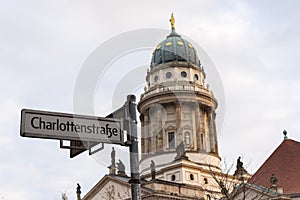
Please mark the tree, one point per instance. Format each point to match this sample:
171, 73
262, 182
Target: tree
111, 193
237, 186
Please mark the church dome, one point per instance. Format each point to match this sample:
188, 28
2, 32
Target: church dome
174, 49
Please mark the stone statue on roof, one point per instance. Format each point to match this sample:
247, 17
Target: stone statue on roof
121, 168
78, 191
240, 170
113, 157
180, 150
239, 164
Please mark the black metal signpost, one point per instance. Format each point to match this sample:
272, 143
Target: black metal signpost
133, 147
85, 132
127, 114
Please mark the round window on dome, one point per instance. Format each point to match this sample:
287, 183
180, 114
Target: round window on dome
168, 75
183, 74
180, 43
158, 46
196, 77
155, 78
190, 45
168, 44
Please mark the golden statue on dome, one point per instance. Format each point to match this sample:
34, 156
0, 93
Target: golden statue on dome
172, 20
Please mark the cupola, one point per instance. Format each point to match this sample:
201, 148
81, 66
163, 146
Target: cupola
174, 49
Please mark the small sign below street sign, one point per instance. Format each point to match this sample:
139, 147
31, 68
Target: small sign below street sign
62, 126
78, 147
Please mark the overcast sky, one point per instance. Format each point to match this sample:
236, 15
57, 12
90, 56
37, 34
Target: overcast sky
254, 46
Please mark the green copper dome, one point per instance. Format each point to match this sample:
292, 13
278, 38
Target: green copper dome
174, 49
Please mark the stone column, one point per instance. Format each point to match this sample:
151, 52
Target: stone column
202, 129
214, 114
212, 131
142, 133
194, 138
211, 134
146, 132
206, 140
198, 128
178, 135
159, 131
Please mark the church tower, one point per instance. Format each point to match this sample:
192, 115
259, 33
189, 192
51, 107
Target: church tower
177, 113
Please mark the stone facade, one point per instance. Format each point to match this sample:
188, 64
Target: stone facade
178, 131
178, 108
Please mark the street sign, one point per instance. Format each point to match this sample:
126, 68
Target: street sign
78, 147
63, 126
84, 132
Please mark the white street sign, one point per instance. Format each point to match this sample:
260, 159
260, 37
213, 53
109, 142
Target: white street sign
62, 126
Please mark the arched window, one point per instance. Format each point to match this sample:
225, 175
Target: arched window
196, 77
171, 140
